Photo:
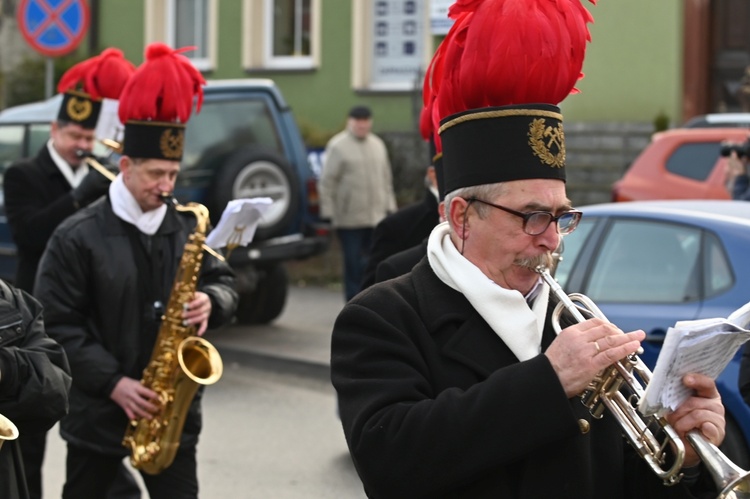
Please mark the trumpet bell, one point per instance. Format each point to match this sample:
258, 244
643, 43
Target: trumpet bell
8, 430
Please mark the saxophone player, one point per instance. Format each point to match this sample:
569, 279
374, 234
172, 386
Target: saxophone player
107, 274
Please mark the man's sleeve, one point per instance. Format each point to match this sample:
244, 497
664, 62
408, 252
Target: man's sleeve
35, 375
329, 181
63, 288
218, 282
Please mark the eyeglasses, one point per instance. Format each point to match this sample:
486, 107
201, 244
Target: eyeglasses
536, 222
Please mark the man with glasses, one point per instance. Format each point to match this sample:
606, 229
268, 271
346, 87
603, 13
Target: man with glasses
451, 380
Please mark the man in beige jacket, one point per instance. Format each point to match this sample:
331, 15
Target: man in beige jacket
356, 191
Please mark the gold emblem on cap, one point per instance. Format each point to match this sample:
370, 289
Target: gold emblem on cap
79, 109
543, 138
171, 143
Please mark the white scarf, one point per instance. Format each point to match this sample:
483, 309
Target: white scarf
74, 177
126, 207
505, 310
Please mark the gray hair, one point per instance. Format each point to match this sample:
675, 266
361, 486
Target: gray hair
485, 192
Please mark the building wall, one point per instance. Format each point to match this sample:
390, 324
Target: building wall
633, 66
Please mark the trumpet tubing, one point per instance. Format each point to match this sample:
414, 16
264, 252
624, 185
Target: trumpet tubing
650, 436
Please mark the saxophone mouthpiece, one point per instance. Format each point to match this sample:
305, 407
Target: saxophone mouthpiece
168, 198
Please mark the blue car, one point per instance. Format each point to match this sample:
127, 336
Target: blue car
649, 264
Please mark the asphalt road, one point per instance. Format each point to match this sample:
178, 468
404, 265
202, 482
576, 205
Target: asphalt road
270, 424
266, 435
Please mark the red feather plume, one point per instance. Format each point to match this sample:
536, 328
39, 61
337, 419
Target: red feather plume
429, 120
163, 87
102, 76
504, 52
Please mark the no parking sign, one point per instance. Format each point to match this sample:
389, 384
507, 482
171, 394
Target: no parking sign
53, 27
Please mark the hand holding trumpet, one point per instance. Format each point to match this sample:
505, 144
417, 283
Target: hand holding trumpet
583, 350
95, 184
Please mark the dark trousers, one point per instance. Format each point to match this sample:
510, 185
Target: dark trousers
89, 475
355, 247
33, 447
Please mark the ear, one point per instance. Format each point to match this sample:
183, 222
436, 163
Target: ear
459, 217
54, 130
125, 165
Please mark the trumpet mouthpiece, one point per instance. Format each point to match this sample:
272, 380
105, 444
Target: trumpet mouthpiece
83, 153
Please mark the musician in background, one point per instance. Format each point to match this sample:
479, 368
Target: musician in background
43, 191
406, 228
451, 381
106, 277
34, 381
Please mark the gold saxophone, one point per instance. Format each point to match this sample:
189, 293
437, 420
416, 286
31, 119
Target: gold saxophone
179, 364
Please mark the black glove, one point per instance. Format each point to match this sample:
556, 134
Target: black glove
93, 186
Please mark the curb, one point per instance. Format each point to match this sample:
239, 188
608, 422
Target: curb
270, 362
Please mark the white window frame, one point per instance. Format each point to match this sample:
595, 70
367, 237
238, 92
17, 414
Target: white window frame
160, 27
257, 38
362, 57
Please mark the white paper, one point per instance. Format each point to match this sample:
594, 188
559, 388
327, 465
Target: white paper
238, 222
108, 126
702, 346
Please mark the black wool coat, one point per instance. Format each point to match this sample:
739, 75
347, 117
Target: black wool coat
400, 263
434, 404
93, 295
34, 381
37, 199
401, 230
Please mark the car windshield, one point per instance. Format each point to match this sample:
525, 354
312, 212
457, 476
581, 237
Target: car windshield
225, 125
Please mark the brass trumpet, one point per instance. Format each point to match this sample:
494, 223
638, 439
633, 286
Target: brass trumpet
8, 430
642, 432
90, 160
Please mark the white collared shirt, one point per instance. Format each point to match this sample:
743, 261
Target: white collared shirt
74, 176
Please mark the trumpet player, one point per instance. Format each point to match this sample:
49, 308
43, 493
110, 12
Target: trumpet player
450, 380
106, 277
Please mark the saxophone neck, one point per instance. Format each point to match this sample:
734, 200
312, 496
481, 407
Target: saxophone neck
198, 210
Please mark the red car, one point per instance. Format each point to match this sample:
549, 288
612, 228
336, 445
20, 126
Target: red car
682, 163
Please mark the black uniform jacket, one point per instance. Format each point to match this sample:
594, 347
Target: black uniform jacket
34, 380
400, 263
93, 294
434, 404
400, 230
37, 199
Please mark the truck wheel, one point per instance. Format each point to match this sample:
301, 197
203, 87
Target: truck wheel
253, 172
267, 301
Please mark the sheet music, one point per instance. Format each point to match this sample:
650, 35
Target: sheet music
702, 346
238, 222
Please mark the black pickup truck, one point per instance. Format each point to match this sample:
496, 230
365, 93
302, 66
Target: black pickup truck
244, 143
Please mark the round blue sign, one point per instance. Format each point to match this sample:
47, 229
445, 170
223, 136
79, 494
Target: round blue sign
53, 27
